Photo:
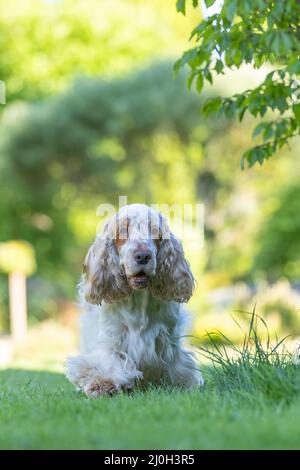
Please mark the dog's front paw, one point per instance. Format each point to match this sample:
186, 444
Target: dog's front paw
100, 387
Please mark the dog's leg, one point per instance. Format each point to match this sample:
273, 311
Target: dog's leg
102, 372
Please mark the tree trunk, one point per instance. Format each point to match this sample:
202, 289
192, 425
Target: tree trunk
18, 307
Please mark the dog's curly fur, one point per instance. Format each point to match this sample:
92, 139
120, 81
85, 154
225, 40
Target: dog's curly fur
132, 319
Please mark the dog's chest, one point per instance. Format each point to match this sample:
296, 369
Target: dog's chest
145, 332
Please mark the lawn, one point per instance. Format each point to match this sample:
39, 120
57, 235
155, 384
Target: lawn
249, 403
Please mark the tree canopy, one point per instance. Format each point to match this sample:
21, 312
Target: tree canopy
46, 43
251, 32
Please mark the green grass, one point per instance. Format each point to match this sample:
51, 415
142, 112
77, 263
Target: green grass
251, 401
40, 410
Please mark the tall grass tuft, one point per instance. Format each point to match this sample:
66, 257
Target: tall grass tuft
254, 368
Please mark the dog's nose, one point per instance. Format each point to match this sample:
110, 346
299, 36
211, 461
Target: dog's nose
142, 257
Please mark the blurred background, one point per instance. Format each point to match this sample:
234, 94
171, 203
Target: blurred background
93, 111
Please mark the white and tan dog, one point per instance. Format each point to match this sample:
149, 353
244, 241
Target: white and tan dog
134, 281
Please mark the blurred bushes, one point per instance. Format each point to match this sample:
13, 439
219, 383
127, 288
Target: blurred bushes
17, 255
86, 146
279, 240
66, 155
46, 43
229, 311
281, 303
140, 136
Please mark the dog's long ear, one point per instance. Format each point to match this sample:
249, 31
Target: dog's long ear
103, 278
174, 279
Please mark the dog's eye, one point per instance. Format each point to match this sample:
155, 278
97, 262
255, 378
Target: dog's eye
155, 234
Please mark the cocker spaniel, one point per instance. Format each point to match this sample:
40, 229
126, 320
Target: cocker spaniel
135, 278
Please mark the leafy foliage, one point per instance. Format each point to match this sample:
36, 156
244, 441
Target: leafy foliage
251, 32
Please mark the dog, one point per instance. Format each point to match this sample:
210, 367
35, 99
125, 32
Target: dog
135, 278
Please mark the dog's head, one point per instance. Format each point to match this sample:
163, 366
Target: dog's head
136, 251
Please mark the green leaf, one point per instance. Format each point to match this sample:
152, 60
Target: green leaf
258, 129
180, 6
229, 9
208, 76
263, 110
199, 29
296, 110
268, 132
242, 112
294, 66
287, 41
212, 105
258, 61
209, 3
258, 154
229, 108
190, 80
177, 66
219, 66
189, 57
199, 83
